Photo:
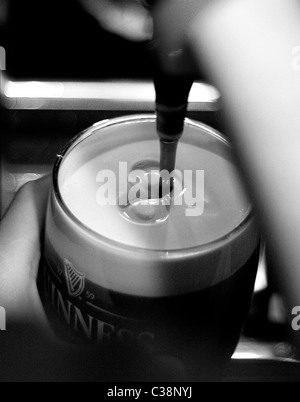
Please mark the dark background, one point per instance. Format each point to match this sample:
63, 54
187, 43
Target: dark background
58, 39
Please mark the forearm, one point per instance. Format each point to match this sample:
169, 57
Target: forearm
246, 47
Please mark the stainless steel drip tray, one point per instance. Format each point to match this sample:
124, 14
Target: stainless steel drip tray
260, 370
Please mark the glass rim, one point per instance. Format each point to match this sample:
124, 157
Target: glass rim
93, 130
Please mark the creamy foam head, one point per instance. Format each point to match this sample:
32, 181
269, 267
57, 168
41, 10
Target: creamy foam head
134, 143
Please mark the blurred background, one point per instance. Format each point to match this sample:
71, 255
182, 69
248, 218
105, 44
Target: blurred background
64, 72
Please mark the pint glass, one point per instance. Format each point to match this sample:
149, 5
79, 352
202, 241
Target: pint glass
178, 278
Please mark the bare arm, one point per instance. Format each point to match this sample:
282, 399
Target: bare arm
248, 48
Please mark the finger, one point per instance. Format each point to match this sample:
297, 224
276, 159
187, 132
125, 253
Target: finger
126, 18
20, 240
21, 227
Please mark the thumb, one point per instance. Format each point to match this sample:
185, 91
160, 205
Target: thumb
20, 248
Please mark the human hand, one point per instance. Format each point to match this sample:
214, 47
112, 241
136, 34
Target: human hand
20, 249
29, 351
168, 22
127, 18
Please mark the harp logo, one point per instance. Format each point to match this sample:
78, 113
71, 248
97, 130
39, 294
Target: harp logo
2, 319
75, 280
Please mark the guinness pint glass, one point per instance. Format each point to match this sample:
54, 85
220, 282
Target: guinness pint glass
175, 273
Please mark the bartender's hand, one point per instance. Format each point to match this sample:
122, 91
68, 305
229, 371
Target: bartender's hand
127, 18
29, 350
166, 21
20, 244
